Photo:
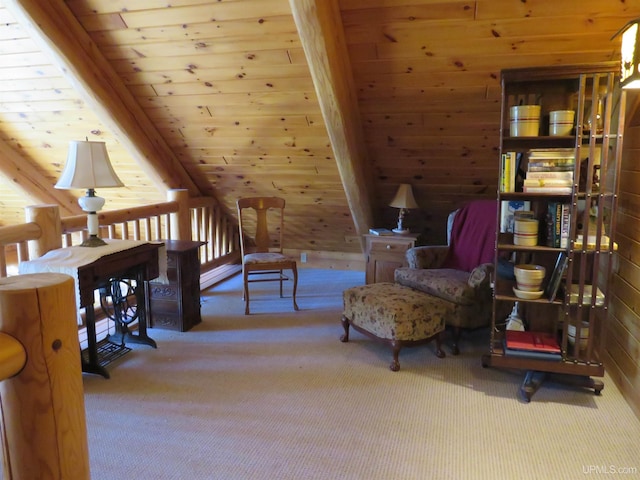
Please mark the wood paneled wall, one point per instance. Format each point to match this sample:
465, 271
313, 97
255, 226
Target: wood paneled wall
622, 359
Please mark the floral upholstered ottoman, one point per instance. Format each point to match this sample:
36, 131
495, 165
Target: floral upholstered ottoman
394, 314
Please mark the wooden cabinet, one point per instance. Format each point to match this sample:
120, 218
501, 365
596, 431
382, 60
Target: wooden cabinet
589, 156
384, 254
176, 305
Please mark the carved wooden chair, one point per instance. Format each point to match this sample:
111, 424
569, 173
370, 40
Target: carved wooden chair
262, 257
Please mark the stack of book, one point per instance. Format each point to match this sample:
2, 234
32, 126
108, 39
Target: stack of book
550, 171
538, 345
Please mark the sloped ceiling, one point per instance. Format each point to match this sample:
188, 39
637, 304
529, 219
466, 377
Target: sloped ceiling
328, 103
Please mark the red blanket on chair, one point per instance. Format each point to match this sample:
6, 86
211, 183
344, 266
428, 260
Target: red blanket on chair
473, 236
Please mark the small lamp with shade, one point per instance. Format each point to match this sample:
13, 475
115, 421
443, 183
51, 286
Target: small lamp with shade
88, 167
403, 200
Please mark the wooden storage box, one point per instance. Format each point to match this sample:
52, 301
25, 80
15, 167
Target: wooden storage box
176, 305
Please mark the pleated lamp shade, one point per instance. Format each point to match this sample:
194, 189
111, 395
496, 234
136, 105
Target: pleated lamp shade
88, 166
404, 197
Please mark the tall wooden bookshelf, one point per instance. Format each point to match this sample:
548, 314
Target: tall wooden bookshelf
574, 317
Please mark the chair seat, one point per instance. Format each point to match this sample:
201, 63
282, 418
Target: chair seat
267, 257
451, 285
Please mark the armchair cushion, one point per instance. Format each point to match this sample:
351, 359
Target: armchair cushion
456, 286
445, 283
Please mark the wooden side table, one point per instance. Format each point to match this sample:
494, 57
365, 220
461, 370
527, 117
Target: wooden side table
384, 254
176, 305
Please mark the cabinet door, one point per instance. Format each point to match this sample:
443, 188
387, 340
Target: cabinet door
382, 269
384, 255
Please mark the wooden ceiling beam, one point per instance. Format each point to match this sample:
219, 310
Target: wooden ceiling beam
55, 29
322, 35
33, 183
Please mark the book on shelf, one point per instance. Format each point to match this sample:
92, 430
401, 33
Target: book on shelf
552, 160
587, 293
531, 341
551, 174
550, 169
553, 154
547, 182
551, 290
504, 172
565, 225
514, 352
380, 231
553, 220
558, 224
591, 242
508, 209
556, 190
508, 171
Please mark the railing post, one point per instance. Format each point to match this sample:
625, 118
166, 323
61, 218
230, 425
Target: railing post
43, 419
12, 356
180, 220
48, 219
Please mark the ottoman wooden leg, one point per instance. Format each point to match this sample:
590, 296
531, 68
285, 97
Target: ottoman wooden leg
439, 352
395, 348
345, 325
456, 339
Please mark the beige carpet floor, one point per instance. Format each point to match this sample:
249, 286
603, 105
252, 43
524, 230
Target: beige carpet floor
276, 395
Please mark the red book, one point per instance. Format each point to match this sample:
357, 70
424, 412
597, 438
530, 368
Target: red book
532, 341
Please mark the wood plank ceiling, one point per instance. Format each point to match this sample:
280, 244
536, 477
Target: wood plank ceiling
328, 103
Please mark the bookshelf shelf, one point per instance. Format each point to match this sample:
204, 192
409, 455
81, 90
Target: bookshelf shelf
580, 203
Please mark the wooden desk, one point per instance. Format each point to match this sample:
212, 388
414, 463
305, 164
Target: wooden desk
138, 263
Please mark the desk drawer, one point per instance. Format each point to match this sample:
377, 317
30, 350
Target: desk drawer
393, 246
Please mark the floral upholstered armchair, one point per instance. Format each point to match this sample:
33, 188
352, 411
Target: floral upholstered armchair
460, 272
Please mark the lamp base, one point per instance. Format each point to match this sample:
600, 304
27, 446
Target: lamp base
403, 231
93, 241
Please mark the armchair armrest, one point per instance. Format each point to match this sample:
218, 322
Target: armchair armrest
430, 256
480, 277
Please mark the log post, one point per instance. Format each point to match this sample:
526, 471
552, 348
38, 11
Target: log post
180, 220
13, 356
42, 414
48, 218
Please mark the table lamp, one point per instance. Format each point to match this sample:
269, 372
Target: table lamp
403, 200
88, 166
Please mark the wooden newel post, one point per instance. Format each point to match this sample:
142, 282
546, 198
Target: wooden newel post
180, 220
43, 423
13, 356
48, 218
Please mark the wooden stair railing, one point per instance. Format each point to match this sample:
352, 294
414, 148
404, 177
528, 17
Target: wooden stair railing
180, 218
